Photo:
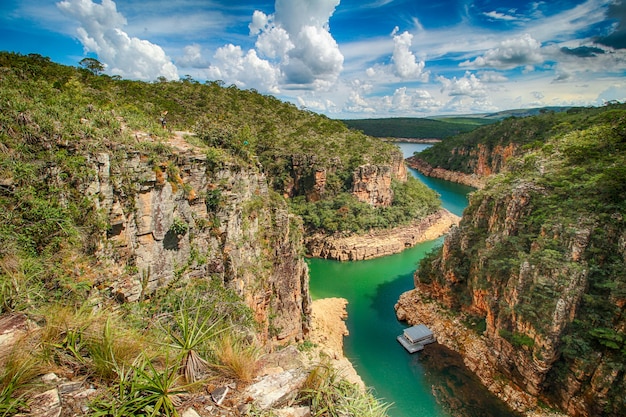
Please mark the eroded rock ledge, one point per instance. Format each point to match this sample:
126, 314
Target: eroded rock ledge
416, 306
425, 168
358, 247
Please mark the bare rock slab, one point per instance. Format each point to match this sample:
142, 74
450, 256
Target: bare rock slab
276, 389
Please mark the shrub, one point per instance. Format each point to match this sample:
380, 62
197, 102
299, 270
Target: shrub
328, 394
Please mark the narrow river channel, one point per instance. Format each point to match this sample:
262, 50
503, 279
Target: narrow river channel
432, 383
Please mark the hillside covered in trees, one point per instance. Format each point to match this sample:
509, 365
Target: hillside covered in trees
537, 262
417, 128
488, 146
116, 231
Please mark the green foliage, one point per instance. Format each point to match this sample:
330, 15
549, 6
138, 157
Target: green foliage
459, 153
516, 339
328, 394
188, 335
179, 226
17, 372
548, 226
406, 127
412, 201
55, 122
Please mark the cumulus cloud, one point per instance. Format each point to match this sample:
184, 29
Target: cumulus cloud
100, 31
246, 70
294, 48
406, 65
315, 59
192, 57
511, 53
492, 77
469, 85
403, 101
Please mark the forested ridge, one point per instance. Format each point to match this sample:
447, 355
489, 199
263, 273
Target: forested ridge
118, 230
416, 128
539, 256
460, 153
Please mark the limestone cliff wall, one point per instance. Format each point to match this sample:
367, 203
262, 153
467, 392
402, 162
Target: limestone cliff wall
472, 164
371, 183
358, 247
532, 286
473, 180
182, 218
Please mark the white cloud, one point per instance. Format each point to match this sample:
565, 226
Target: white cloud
315, 59
469, 85
406, 65
245, 70
274, 42
492, 77
614, 92
510, 53
499, 16
259, 22
293, 49
100, 31
192, 57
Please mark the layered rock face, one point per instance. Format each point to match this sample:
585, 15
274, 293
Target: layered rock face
473, 180
381, 242
537, 289
473, 165
183, 219
371, 183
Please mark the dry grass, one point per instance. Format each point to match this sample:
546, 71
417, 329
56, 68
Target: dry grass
235, 358
18, 369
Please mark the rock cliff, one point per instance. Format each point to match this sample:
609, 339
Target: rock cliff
537, 261
473, 180
183, 218
371, 183
380, 242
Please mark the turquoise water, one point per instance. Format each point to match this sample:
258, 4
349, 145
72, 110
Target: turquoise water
372, 288
453, 196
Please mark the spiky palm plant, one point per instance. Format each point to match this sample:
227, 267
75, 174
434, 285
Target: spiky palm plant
188, 335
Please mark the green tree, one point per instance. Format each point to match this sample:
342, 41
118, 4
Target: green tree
93, 65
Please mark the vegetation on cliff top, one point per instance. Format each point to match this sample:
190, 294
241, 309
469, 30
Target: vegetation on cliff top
54, 121
552, 226
460, 153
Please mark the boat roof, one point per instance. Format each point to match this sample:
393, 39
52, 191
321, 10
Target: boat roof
417, 332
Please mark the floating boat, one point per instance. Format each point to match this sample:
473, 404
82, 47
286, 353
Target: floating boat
416, 337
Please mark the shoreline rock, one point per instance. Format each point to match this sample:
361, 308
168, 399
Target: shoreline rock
359, 247
425, 168
416, 307
328, 328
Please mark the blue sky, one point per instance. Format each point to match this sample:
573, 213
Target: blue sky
347, 58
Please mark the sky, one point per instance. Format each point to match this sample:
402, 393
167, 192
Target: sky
347, 58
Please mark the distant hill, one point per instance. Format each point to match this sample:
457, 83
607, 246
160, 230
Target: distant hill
416, 128
438, 127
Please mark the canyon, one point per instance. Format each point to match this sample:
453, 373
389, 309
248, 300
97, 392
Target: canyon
529, 288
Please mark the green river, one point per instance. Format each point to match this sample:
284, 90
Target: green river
432, 383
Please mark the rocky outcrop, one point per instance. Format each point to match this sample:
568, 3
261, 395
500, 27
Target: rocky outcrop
181, 218
371, 183
472, 180
421, 307
357, 247
528, 277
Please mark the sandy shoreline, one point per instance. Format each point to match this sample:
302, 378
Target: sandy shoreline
328, 328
